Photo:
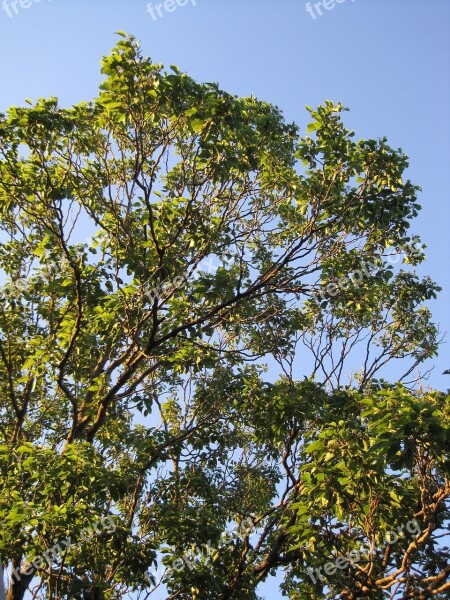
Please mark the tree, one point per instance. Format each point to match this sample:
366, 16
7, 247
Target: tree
367, 513
159, 245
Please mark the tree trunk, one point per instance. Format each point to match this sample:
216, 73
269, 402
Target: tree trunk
18, 584
2, 583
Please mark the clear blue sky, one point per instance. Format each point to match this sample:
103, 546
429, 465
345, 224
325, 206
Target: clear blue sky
388, 60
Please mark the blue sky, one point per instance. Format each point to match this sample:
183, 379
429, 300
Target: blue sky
388, 60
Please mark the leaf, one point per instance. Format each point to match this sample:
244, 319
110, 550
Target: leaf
317, 445
197, 125
25, 449
314, 126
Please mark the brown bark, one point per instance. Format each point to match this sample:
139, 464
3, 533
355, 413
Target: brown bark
18, 584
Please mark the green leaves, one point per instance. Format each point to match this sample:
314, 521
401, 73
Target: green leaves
314, 126
349, 490
159, 246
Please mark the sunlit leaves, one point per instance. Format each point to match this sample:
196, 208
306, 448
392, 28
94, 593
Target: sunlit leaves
158, 246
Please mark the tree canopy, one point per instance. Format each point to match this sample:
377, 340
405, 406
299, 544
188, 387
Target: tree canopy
196, 307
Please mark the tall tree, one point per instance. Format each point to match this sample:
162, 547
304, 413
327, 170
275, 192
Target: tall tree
158, 245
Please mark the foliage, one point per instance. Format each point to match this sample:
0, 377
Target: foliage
133, 379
